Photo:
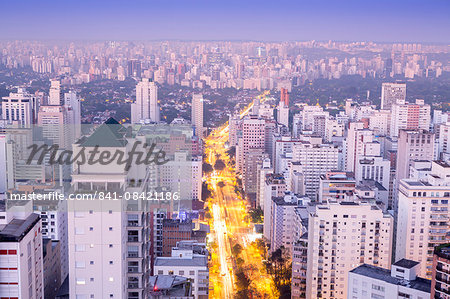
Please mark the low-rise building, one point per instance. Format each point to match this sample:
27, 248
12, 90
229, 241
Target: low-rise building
368, 281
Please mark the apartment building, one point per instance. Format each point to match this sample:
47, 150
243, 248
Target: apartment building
423, 217
440, 282
342, 236
21, 259
401, 281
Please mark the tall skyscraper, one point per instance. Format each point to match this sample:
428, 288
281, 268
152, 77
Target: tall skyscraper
391, 92
250, 150
72, 106
283, 114
20, 107
54, 98
412, 146
408, 116
423, 217
197, 114
342, 236
108, 240
315, 159
284, 96
21, 272
146, 107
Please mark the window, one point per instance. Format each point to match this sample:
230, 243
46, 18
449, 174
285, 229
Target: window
377, 287
80, 264
81, 281
80, 247
79, 230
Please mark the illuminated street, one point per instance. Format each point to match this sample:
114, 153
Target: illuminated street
230, 226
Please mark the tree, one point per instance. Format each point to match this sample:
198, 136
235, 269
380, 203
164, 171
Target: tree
242, 280
219, 165
279, 267
236, 250
207, 168
256, 215
231, 152
206, 193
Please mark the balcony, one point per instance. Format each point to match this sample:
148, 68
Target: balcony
133, 239
133, 254
133, 223
133, 285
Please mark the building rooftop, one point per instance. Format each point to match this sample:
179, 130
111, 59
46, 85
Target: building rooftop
378, 273
195, 261
442, 164
109, 134
169, 286
16, 229
404, 263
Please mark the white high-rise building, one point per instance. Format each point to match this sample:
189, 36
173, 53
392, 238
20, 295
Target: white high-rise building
234, 123
6, 163
146, 107
274, 186
54, 98
401, 281
264, 168
373, 168
313, 118
108, 240
315, 159
283, 114
333, 129
342, 236
423, 217
380, 122
21, 259
444, 141
282, 220
73, 110
413, 145
359, 142
20, 107
407, 116
53, 121
390, 93
250, 146
197, 114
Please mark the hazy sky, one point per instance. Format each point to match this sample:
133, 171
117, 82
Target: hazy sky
378, 20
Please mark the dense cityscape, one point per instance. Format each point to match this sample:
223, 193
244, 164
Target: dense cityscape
238, 167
